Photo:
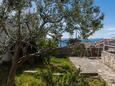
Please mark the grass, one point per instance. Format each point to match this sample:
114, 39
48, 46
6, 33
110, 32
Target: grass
45, 75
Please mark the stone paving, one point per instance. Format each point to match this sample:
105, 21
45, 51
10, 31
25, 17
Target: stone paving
90, 66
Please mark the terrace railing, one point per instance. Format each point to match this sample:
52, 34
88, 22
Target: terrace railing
109, 48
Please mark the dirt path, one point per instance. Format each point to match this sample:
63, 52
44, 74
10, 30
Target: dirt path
95, 66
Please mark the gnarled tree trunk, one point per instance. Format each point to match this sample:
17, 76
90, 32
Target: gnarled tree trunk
12, 73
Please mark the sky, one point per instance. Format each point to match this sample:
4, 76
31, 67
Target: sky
108, 30
108, 8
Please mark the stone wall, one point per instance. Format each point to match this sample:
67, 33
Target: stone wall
108, 59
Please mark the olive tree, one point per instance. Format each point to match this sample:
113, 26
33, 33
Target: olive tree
22, 21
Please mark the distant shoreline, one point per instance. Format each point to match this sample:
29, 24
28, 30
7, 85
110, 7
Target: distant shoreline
64, 41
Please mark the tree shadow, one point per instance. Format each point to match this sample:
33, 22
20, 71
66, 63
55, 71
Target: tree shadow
4, 71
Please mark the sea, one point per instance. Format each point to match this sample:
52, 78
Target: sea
63, 42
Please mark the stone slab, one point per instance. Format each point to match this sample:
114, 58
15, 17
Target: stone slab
87, 65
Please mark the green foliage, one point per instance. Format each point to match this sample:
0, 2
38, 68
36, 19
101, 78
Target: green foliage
39, 19
73, 41
26, 80
80, 49
62, 74
46, 75
95, 82
66, 79
47, 43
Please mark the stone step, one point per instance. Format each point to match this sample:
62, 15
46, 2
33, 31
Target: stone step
94, 67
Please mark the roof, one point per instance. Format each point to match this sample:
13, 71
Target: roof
105, 41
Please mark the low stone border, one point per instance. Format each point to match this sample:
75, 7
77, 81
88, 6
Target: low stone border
108, 59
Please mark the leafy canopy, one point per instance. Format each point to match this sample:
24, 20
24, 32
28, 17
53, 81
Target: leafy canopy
41, 18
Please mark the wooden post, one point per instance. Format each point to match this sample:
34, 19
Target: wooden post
104, 47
